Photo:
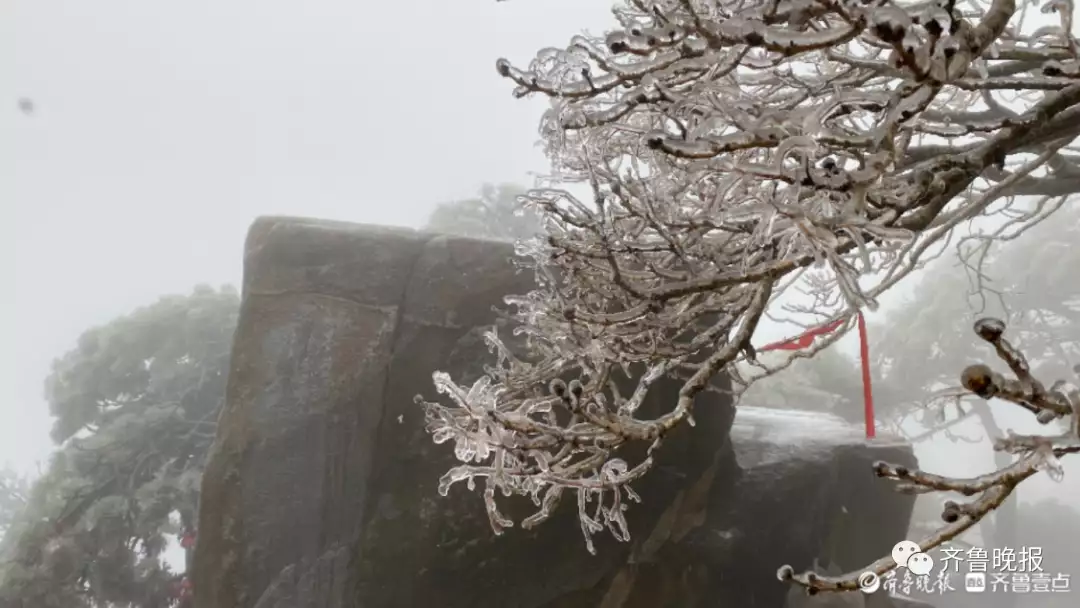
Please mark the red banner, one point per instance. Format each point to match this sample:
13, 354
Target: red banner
805, 339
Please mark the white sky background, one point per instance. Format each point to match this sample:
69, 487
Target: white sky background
162, 129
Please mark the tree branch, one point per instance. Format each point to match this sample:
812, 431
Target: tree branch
733, 150
1036, 453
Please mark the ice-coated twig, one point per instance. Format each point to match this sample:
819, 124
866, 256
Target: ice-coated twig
1035, 454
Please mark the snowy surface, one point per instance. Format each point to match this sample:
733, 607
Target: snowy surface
765, 436
800, 426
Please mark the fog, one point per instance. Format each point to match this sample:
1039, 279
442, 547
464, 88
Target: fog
159, 131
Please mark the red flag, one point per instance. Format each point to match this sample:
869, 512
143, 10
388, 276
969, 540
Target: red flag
804, 339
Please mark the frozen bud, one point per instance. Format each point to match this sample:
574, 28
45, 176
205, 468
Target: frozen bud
990, 329
881, 469
890, 23
950, 46
979, 379
557, 387
616, 43
753, 38
502, 66
1063, 388
936, 21
785, 573
951, 512
1052, 68
576, 388
694, 46
1046, 416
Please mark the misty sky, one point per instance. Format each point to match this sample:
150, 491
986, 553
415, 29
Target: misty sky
162, 129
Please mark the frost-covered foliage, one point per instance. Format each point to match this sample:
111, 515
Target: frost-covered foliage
136, 406
493, 214
14, 489
735, 149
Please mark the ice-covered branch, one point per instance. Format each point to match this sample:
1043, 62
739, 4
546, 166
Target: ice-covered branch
1034, 454
728, 147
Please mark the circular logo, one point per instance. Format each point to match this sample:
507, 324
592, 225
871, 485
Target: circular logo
869, 582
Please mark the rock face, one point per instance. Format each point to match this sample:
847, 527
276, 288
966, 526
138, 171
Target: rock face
320, 491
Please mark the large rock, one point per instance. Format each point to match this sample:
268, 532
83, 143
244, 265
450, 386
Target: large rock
321, 488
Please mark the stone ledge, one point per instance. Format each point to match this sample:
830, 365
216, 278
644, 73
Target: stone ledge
322, 452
